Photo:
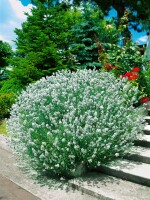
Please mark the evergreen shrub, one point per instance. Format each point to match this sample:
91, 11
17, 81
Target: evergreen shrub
6, 101
11, 85
9, 90
69, 122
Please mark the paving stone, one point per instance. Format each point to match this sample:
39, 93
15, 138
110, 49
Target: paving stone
137, 172
141, 154
111, 188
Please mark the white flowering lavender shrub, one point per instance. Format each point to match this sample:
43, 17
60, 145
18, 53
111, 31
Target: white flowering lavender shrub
69, 121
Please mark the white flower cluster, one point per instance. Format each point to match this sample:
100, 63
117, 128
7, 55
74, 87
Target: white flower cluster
74, 119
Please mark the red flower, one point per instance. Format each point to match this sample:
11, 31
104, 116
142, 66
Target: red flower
127, 74
136, 69
133, 76
144, 99
130, 75
108, 66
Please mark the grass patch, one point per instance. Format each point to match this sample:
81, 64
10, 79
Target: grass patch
3, 127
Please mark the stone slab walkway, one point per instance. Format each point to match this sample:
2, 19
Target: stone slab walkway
11, 191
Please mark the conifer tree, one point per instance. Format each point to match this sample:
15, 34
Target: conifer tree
88, 32
43, 40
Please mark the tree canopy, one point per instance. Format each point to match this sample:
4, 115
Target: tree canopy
42, 43
139, 10
54, 37
5, 53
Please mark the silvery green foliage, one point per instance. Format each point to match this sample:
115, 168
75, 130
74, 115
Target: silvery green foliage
69, 121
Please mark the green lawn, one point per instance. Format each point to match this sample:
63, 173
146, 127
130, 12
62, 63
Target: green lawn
3, 127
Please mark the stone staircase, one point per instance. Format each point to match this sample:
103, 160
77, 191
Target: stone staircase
122, 179
135, 166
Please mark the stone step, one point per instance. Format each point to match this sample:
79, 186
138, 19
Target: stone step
144, 141
146, 130
147, 118
129, 170
140, 154
106, 187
